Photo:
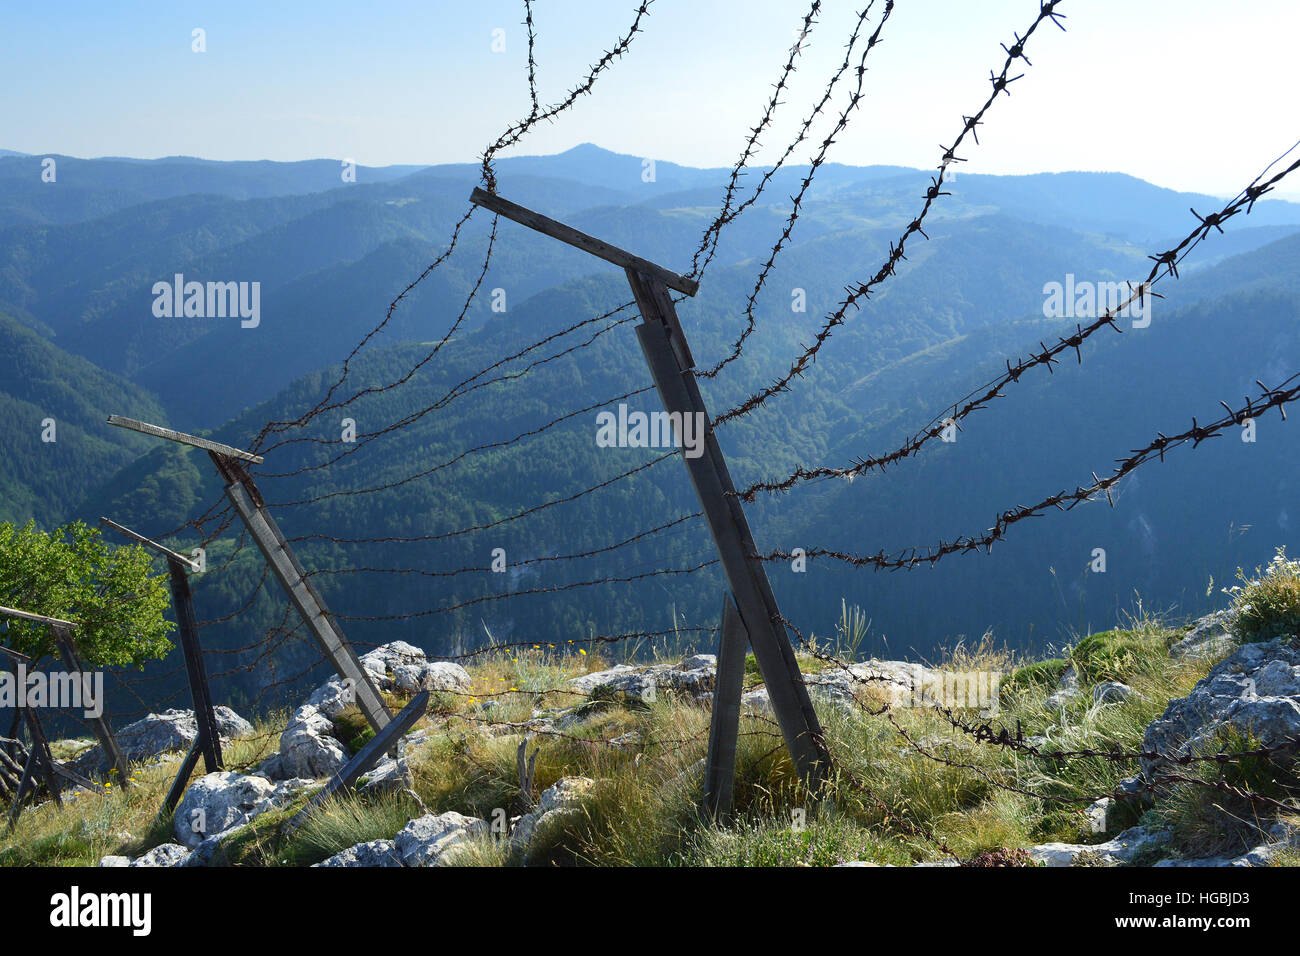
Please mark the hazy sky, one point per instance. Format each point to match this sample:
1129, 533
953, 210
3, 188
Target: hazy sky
1191, 94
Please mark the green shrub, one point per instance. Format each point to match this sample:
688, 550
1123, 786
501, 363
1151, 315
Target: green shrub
1114, 655
1035, 676
1267, 606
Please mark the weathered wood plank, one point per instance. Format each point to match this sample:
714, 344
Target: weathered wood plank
590, 244
15, 655
38, 618
149, 543
386, 739
208, 740
44, 759
309, 604
182, 779
171, 435
724, 729
663, 344
104, 733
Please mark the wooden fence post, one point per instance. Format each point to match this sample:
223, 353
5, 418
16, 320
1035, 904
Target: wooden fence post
207, 739
387, 739
244, 495
666, 352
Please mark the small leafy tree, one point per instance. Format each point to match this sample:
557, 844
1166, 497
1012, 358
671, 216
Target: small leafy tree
112, 593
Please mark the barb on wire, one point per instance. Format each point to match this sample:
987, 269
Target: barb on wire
1065, 500
862, 290
798, 199
1166, 263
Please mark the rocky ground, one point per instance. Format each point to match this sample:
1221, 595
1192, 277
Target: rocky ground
1254, 688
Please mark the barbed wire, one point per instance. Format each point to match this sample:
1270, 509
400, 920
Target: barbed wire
862, 290
338, 539
709, 241
1165, 264
1064, 500
797, 200
480, 569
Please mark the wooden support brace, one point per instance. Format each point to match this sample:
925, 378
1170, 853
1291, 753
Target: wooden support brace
720, 767
152, 545
672, 367
45, 760
386, 739
16, 807
209, 739
178, 567
63, 638
182, 779
157, 431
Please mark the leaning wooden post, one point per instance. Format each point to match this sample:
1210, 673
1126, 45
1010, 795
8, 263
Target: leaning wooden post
664, 344
208, 739
45, 759
244, 495
248, 502
16, 807
671, 365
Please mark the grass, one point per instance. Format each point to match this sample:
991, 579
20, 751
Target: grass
1267, 605
887, 803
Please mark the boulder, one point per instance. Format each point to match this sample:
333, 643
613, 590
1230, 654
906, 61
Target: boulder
1255, 691
387, 775
1260, 856
218, 802
332, 698
1121, 850
558, 802
431, 675
397, 666
618, 682
432, 840
386, 658
693, 678
168, 854
308, 748
1098, 815
1066, 691
157, 734
374, 853
1211, 636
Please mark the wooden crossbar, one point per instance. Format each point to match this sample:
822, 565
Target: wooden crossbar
152, 545
38, 618
580, 240
158, 431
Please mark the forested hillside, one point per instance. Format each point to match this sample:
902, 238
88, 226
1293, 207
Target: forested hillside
330, 259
